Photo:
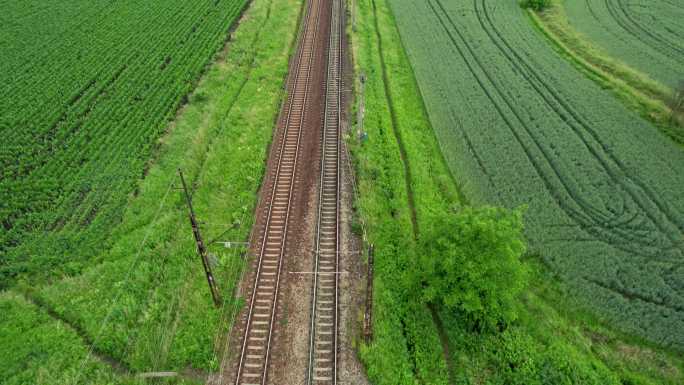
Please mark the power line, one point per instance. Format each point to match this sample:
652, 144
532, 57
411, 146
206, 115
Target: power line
128, 276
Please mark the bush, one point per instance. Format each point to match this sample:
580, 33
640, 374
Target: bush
676, 104
537, 5
471, 265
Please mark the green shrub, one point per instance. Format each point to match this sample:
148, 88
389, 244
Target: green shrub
676, 104
537, 5
471, 265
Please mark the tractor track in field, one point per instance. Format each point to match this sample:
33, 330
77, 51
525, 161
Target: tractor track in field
602, 154
620, 14
652, 34
571, 211
674, 3
621, 37
590, 219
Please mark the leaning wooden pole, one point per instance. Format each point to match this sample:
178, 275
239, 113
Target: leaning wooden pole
201, 249
368, 316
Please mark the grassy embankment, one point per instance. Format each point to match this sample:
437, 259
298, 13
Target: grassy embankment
401, 183
635, 89
144, 303
399, 169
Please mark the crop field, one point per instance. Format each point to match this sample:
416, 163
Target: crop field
496, 195
87, 89
136, 295
648, 35
602, 186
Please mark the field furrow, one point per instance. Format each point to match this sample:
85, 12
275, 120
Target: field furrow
599, 183
618, 176
644, 34
621, 15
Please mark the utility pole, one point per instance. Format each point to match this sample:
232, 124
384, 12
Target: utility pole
353, 13
201, 249
361, 111
368, 316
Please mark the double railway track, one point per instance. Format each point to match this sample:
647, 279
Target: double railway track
255, 355
325, 289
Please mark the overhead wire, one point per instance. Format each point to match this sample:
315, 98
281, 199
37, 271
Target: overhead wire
126, 279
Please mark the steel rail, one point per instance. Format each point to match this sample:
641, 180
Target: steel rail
256, 370
322, 367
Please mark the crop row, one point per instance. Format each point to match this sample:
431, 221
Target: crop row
83, 109
141, 298
600, 183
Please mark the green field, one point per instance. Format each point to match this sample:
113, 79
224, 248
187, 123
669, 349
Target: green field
477, 122
602, 186
129, 288
87, 90
648, 35
635, 89
554, 341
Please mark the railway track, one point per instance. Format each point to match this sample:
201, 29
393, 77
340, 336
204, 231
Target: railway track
253, 365
322, 368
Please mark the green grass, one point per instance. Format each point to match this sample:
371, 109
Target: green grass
555, 341
558, 341
37, 349
144, 300
635, 89
401, 185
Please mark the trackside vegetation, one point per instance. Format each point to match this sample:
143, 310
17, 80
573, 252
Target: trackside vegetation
37, 349
396, 166
469, 265
433, 323
141, 303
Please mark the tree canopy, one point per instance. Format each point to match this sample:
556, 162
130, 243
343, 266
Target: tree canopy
470, 264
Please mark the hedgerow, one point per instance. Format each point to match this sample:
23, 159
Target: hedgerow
537, 5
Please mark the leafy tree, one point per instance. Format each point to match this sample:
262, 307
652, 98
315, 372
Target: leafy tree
471, 265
